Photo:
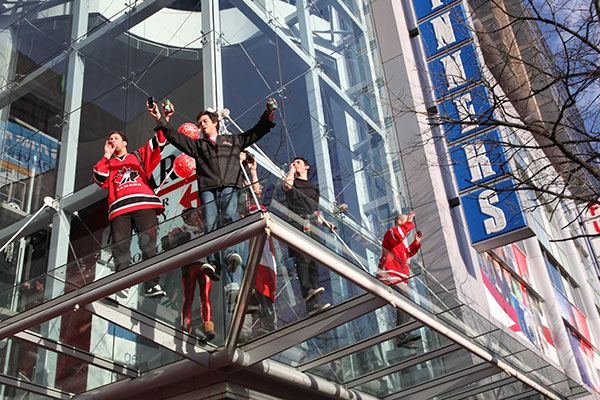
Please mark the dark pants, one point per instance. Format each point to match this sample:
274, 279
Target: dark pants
307, 269
308, 275
120, 229
266, 312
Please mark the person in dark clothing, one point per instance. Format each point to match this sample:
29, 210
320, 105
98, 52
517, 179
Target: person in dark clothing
217, 172
303, 199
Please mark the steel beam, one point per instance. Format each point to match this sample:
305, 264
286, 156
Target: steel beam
153, 330
300, 331
35, 79
481, 389
446, 383
254, 14
369, 283
421, 358
70, 203
359, 346
71, 351
33, 388
239, 313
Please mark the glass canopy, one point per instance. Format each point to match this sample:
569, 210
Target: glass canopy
377, 340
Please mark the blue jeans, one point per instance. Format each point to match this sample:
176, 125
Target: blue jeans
219, 208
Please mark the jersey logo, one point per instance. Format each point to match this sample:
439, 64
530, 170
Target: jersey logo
126, 175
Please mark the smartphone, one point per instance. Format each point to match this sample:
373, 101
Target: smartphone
151, 101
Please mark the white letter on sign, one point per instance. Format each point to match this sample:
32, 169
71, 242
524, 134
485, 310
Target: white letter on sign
455, 72
479, 163
497, 222
436, 3
442, 27
466, 111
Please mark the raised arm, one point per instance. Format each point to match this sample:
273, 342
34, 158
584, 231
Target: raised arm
187, 145
262, 127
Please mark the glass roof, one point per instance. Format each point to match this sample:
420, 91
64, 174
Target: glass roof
363, 336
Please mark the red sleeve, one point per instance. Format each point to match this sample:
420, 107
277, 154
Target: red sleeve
152, 151
413, 248
406, 227
102, 172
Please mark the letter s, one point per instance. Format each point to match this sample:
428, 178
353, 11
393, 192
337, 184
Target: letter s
498, 221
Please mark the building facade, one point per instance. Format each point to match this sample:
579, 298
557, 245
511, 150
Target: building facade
494, 306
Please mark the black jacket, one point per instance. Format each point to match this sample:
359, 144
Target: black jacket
217, 166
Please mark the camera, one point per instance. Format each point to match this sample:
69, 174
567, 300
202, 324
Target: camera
249, 158
150, 101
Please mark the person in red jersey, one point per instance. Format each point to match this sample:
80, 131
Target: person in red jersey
393, 267
393, 264
131, 201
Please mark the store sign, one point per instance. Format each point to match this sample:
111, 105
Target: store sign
472, 108
26, 152
494, 214
424, 8
492, 211
478, 160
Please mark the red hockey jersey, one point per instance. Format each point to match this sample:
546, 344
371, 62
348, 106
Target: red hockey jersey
127, 179
393, 264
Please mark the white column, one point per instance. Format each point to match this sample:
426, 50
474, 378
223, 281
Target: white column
211, 55
315, 105
551, 308
65, 184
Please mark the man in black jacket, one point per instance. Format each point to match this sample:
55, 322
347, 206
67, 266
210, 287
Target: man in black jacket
217, 172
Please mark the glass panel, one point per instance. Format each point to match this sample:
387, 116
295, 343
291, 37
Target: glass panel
420, 373
11, 393
303, 288
102, 338
28, 362
34, 90
157, 57
29, 294
400, 349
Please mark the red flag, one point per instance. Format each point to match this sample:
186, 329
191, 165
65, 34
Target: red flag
266, 277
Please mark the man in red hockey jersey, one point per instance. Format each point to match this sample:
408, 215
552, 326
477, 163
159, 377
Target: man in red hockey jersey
131, 201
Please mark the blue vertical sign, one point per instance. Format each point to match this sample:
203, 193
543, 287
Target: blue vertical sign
494, 214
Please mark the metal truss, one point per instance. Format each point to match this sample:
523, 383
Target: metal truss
71, 351
446, 383
298, 332
362, 345
33, 388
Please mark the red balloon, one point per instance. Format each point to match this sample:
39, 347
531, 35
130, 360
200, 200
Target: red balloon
190, 130
184, 166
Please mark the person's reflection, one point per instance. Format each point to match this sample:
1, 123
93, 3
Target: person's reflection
192, 273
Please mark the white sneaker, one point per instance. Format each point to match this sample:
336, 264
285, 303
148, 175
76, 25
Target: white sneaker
233, 262
155, 291
314, 292
317, 308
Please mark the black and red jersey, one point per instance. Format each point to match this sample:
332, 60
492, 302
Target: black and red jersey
127, 178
